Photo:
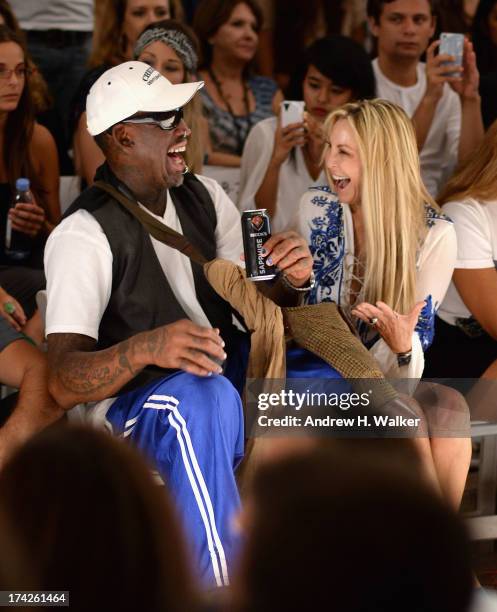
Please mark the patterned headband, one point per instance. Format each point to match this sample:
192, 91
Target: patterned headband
174, 39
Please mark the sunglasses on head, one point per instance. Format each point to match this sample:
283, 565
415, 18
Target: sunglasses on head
166, 121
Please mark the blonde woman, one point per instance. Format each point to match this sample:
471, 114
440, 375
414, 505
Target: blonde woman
383, 251
382, 248
466, 340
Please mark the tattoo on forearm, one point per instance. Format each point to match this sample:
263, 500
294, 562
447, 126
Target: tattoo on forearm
88, 373
123, 351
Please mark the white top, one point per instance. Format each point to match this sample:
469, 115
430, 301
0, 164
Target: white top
294, 179
439, 154
328, 228
76, 15
78, 266
476, 229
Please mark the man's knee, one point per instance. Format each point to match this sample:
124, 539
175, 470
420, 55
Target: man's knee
212, 401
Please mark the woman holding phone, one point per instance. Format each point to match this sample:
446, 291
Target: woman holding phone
280, 162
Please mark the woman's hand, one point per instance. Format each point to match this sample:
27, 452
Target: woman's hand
12, 311
285, 138
27, 218
315, 132
394, 328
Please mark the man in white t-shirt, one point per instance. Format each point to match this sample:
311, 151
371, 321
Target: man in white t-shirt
133, 327
446, 110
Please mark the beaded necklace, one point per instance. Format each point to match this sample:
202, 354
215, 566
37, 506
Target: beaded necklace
235, 118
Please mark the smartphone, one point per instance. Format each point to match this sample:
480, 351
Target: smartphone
292, 111
452, 44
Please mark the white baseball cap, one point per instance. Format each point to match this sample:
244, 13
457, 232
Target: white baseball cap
130, 88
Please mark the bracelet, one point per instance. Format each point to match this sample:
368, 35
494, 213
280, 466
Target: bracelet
312, 282
404, 359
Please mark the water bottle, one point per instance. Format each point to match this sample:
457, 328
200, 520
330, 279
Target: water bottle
18, 244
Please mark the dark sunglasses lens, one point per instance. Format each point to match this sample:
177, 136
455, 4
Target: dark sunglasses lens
172, 120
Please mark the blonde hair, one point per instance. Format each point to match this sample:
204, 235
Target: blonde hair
392, 199
108, 39
477, 176
196, 149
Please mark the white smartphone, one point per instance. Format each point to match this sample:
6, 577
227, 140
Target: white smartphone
292, 111
452, 44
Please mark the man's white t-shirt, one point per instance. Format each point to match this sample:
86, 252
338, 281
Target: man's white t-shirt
78, 266
439, 154
476, 228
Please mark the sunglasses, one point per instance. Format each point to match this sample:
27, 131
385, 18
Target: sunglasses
166, 121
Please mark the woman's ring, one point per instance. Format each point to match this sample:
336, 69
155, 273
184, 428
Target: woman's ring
9, 308
373, 320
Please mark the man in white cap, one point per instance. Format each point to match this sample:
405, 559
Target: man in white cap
133, 326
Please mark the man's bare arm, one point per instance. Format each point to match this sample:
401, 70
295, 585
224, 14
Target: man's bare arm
79, 374
423, 118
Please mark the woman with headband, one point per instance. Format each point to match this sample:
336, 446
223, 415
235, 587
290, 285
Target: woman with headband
172, 49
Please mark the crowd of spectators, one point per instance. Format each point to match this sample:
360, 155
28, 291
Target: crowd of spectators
384, 241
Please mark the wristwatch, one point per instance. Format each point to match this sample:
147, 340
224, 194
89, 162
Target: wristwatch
312, 282
404, 359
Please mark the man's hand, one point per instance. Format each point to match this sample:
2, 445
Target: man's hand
79, 374
27, 218
12, 311
438, 74
468, 86
182, 345
290, 254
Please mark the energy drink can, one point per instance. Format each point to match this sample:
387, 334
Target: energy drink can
256, 231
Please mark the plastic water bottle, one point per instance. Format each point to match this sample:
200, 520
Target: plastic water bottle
18, 244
